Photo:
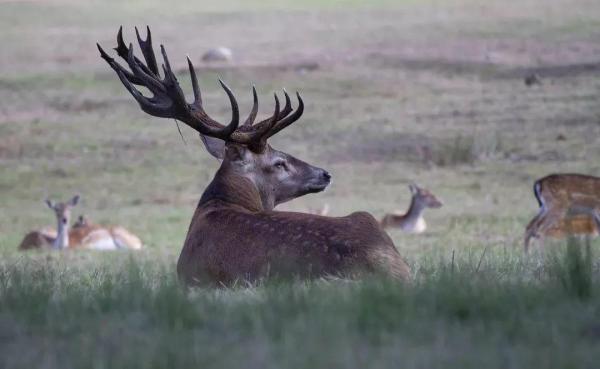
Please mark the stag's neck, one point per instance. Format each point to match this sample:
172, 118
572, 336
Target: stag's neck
62, 236
234, 189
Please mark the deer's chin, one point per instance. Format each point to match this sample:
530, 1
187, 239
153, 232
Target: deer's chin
314, 188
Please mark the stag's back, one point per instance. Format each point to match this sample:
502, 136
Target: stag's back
225, 244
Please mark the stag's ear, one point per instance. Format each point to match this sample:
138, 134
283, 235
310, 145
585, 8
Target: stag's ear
215, 146
49, 203
74, 200
413, 188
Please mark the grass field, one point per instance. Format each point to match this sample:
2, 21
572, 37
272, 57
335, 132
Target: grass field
395, 92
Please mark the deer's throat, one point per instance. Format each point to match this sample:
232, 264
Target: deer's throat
413, 220
235, 189
62, 236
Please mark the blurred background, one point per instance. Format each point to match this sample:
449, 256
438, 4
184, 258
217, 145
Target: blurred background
472, 99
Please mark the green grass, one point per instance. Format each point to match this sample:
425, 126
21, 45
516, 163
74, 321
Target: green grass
82, 310
429, 92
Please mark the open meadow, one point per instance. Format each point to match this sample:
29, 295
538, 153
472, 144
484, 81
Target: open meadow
430, 92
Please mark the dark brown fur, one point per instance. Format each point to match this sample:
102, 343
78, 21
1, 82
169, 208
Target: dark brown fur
235, 234
231, 238
36, 240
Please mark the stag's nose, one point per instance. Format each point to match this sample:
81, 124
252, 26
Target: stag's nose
326, 176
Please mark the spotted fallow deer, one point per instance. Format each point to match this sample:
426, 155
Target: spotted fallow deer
82, 235
86, 234
412, 221
569, 205
235, 233
50, 238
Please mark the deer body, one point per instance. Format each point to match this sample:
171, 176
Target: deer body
412, 221
82, 235
43, 238
85, 234
235, 233
569, 205
48, 237
232, 237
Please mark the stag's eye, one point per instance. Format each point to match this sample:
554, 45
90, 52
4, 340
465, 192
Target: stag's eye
280, 164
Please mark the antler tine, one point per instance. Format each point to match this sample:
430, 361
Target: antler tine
200, 118
283, 123
147, 50
148, 80
235, 112
257, 137
171, 82
250, 120
288, 106
197, 95
146, 104
216, 128
123, 51
127, 78
117, 67
121, 48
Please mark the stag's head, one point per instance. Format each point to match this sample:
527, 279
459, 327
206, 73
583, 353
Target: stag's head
242, 148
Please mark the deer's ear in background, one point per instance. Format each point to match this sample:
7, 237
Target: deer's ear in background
74, 200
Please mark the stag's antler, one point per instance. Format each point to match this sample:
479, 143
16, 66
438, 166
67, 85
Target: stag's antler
168, 100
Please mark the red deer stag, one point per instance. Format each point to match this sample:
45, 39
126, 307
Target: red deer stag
569, 205
235, 234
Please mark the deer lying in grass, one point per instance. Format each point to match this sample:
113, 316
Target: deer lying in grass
50, 238
82, 234
569, 205
99, 237
235, 234
412, 221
